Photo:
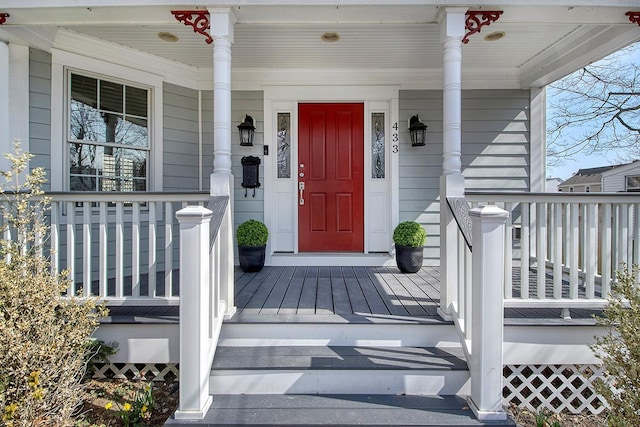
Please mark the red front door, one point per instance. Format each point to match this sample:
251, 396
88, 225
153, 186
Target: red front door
331, 169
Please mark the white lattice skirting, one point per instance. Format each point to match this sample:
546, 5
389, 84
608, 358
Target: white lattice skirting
137, 371
554, 388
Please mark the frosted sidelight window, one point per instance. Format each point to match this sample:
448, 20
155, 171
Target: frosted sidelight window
377, 145
284, 145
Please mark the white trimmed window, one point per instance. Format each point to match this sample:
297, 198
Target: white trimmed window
633, 183
107, 134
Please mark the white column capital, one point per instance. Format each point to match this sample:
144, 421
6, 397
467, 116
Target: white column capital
452, 22
221, 22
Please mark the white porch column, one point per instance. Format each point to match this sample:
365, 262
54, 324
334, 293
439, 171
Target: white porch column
488, 224
221, 22
14, 99
452, 24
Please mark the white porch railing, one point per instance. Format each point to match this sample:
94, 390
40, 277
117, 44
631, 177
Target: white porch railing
120, 247
566, 247
477, 303
206, 295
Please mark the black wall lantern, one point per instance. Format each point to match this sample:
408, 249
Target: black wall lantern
246, 130
418, 131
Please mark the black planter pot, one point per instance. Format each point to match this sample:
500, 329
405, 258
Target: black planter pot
409, 258
251, 258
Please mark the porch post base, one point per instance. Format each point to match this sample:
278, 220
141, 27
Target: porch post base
485, 414
194, 414
230, 313
445, 316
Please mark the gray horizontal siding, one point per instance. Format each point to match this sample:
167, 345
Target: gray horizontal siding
40, 111
495, 152
251, 103
180, 145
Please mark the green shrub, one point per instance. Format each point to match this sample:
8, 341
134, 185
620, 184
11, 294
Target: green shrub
409, 233
252, 233
619, 350
43, 332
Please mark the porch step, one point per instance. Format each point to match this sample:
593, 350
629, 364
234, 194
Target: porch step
364, 410
339, 370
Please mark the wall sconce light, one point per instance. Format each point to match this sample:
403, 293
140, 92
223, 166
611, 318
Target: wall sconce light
246, 130
417, 131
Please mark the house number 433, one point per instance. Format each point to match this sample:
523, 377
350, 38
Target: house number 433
395, 147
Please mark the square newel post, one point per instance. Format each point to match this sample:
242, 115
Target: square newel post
488, 224
194, 313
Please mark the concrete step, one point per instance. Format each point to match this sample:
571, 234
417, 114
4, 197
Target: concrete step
339, 370
364, 410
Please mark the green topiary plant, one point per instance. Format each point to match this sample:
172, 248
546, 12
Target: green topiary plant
409, 233
252, 233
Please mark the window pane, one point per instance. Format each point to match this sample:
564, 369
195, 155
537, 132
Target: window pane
132, 131
85, 122
136, 102
84, 90
111, 96
97, 168
377, 145
633, 183
284, 146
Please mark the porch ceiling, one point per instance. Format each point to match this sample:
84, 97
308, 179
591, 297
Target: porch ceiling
541, 43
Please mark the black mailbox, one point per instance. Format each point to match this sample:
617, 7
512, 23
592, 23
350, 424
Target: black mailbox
250, 173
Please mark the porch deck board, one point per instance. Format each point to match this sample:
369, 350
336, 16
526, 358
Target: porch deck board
342, 295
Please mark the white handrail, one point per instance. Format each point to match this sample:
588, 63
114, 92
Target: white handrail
115, 245
477, 303
206, 275
578, 239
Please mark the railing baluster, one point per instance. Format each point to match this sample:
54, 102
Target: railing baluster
86, 249
605, 242
524, 250
135, 249
557, 250
462, 295
54, 230
623, 236
591, 249
119, 250
168, 249
151, 271
636, 234
541, 250
583, 235
71, 246
574, 251
104, 254
508, 261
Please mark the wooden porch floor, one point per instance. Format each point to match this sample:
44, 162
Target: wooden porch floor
340, 295
354, 294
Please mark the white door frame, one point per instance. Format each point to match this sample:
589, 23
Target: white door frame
281, 195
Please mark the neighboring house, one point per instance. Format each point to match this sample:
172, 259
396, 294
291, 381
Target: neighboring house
609, 179
622, 178
552, 185
132, 109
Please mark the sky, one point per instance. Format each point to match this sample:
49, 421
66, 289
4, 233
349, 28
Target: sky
582, 161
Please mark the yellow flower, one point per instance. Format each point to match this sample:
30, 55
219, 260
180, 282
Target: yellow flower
143, 409
38, 393
34, 379
108, 406
9, 411
127, 407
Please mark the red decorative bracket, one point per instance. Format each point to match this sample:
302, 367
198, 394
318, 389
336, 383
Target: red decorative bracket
198, 19
634, 17
3, 18
478, 19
